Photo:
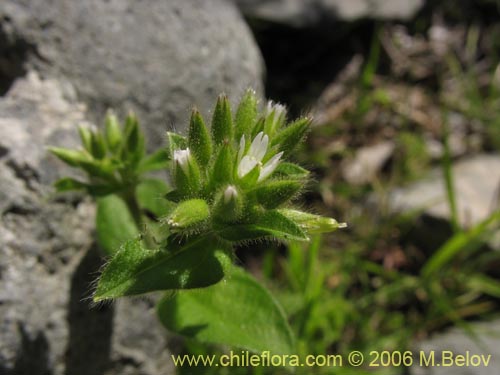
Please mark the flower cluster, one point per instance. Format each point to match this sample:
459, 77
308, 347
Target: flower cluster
232, 180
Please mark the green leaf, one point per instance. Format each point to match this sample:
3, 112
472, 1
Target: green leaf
68, 184
136, 270
484, 284
155, 161
291, 170
69, 156
199, 140
237, 312
150, 194
222, 123
275, 193
267, 225
291, 136
114, 223
246, 115
461, 241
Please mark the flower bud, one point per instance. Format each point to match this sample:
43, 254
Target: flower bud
228, 205
186, 172
189, 214
113, 132
312, 223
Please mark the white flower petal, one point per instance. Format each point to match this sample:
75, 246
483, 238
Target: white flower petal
262, 150
256, 145
181, 157
270, 166
247, 163
230, 193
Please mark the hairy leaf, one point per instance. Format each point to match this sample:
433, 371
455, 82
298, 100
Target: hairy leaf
237, 312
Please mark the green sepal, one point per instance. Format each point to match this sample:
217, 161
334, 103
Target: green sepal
275, 119
222, 123
85, 137
311, 223
97, 145
135, 270
246, 115
134, 140
114, 136
291, 170
257, 128
199, 140
269, 224
188, 214
222, 170
187, 180
291, 136
275, 193
175, 142
69, 156
174, 196
237, 312
250, 179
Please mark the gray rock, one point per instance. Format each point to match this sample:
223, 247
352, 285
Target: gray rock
158, 58
48, 258
459, 343
367, 162
476, 181
41, 240
299, 13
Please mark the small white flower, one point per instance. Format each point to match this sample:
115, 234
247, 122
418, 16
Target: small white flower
270, 166
254, 156
181, 157
230, 193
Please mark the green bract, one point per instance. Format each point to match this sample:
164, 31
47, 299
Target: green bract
230, 186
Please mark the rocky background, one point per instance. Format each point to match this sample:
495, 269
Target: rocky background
64, 63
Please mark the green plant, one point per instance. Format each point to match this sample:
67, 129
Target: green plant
231, 187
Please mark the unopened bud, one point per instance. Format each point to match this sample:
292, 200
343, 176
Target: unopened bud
189, 214
313, 223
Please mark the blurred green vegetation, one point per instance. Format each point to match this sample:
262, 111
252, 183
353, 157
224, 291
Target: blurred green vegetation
371, 287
